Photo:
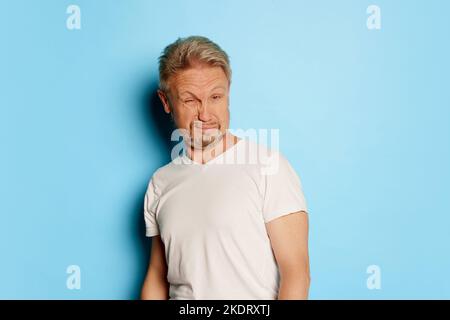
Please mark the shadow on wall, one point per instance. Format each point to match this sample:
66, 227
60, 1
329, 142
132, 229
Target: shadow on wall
159, 127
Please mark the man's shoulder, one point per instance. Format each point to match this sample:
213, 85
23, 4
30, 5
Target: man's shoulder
164, 173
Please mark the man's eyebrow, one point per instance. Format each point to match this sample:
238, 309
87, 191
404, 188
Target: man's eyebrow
186, 92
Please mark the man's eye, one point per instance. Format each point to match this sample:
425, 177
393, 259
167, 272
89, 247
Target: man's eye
216, 97
188, 101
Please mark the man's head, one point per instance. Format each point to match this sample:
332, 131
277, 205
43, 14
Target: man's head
195, 78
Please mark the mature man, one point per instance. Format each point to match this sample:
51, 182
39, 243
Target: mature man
220, 229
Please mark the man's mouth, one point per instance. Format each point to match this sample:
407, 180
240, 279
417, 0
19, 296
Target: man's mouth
208, 128
205, 127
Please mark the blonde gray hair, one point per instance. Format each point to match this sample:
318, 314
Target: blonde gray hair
185, 52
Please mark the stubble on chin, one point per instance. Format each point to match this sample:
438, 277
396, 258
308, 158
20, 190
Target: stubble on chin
199, 139
205, 141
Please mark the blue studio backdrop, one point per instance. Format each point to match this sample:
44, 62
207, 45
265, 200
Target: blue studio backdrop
358, 89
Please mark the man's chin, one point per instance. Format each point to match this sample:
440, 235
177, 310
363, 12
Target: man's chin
205, 141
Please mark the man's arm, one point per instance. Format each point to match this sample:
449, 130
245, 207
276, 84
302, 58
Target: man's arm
289, 239
155, 285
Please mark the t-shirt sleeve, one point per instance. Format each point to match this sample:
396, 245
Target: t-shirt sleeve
151, 224
283, 192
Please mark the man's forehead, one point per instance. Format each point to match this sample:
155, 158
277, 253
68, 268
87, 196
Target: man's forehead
200, 74
198, 81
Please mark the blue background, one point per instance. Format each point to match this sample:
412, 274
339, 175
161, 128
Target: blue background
363, 116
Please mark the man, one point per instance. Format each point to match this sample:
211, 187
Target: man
220, 229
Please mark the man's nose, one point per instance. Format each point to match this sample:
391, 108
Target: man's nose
203, 113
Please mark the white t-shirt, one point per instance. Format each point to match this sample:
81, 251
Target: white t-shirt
211, 218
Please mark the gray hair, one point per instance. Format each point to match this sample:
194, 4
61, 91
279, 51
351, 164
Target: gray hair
185, 52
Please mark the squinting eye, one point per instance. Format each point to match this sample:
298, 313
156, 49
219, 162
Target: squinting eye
216, 97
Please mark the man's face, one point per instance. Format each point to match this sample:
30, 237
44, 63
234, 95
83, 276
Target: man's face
198, 100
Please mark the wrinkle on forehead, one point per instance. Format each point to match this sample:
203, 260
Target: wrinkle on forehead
199, 79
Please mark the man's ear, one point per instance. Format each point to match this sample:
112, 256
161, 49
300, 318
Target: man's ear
165, 101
